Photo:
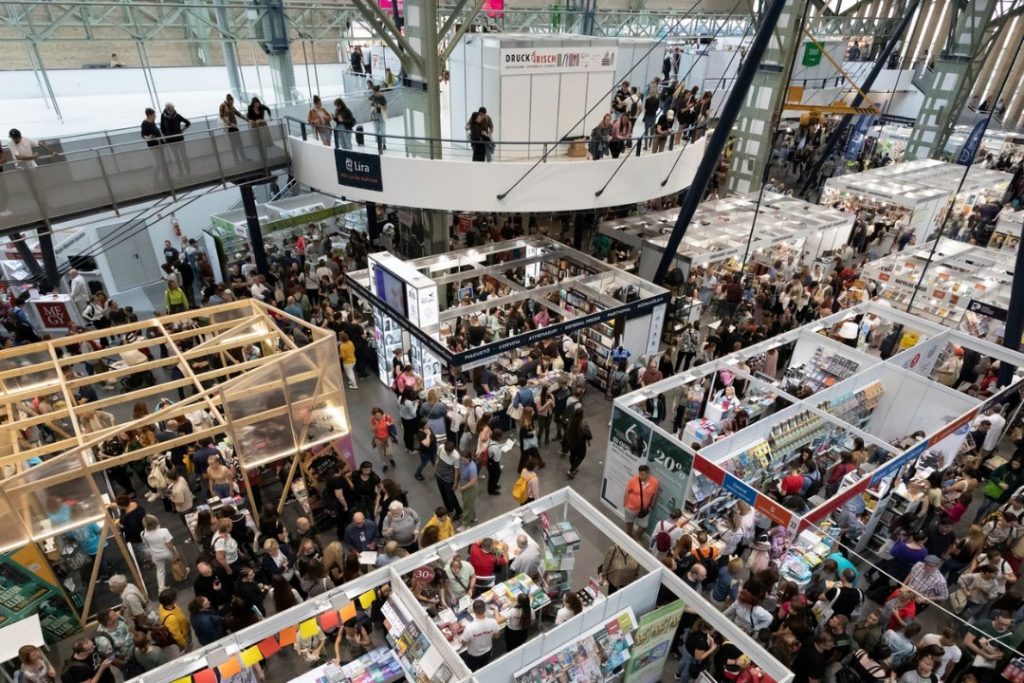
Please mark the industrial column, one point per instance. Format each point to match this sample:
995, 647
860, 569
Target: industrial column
421, 55
956, 70
252, 222
230, 52
272, 33
50, 273
752, 145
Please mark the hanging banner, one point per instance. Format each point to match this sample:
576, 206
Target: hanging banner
30, 587
549, 60
629, 439
857, 137
972, 144
671, 466
652, 642
812, 54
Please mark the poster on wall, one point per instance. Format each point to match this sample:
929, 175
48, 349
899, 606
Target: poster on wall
652, 642
549, 60
671, 466
30, 587
627, 443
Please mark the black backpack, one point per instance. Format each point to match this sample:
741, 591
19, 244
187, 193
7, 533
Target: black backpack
634, 106
710, 564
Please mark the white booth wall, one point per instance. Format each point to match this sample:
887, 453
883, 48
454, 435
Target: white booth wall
540, 104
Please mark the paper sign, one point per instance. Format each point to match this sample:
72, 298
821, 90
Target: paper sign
204, 676
367, 598
329, 620
348, 612
308, 628
269, 646
229, 668
186, 679
252, 656
287, 636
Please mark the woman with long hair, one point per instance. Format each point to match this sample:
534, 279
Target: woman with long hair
518, 618
545, 411
959, 555
334, 562
528, 443
576, 439
285, 597
408, 412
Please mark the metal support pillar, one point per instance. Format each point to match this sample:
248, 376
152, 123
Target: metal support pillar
26, 256
1014, 317
956, 69
252, 221
869, 82
372, 224
276, 44
50, 273
230, 52
758, 117
723, 129
46, 79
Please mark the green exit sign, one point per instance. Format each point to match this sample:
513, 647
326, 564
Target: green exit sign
812, 55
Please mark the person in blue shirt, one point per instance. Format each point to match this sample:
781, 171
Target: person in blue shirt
843, 564
362, 534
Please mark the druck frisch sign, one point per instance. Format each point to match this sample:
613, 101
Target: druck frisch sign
530, 60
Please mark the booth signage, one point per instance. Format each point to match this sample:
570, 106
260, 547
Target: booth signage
628, 441
356, 169
951, 427
670, 465
652, 643
987, 310
533, 60
634, 310
53, 313
709, 469
812, 54
772, 510
972, 144
896, 464
739, 489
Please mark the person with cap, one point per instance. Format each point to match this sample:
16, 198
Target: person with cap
21, 149
926, 580
949, 370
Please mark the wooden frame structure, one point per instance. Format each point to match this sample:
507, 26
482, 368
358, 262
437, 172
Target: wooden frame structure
244, 371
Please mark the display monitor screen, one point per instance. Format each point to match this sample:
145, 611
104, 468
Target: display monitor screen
390, 289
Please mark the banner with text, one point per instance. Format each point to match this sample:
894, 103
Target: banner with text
629, 439
549, 60
651, 643
671, 466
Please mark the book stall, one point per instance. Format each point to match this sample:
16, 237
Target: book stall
829, 397
625, 636
416, 306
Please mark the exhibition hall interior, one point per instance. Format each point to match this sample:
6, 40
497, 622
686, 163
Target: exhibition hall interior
504, 341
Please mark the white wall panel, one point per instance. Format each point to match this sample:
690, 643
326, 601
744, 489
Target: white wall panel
573, 91
543, 109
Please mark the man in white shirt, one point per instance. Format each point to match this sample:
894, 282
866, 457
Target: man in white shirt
996, 424
79, 289
478, 637
21, 149
947, 640
527, 557
259, 289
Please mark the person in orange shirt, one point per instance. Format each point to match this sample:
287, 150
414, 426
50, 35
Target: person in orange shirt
641, 492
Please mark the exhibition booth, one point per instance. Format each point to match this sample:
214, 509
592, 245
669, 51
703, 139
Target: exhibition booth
564, 83
1009, 228
417, 306
916, 192
623, 635
747, 418
66, 453
949, 283
284, 219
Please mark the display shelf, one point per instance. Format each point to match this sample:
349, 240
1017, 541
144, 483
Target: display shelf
596, 656
376, 666
820, 371
411, 647
855, 407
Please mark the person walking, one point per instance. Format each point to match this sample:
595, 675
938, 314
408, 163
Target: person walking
468, 486
257, 113
496, 448
347, 351
576, 439
380, 426
320, 119
638, 500
229, 116
344, 122
160, 547
426, 442
446, 473
378, 117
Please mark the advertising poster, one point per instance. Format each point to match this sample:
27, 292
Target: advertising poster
651, 643
671, 466
532, 60
30, 587
627, 448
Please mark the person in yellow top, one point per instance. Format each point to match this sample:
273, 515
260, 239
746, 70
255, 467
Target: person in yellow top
441, 520
175, 300
348, 359
174, 618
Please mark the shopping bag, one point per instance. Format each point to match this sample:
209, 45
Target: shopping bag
1014, 671
515, 412
958, 600
179, 569
993, 489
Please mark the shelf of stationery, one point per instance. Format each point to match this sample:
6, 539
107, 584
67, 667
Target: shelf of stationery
855, 407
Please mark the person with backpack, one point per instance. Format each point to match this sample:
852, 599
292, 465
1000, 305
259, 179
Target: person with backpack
526, 488
113, 637
576, 439
618, 569
706, 555
844, 598
666, 534
86, 665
